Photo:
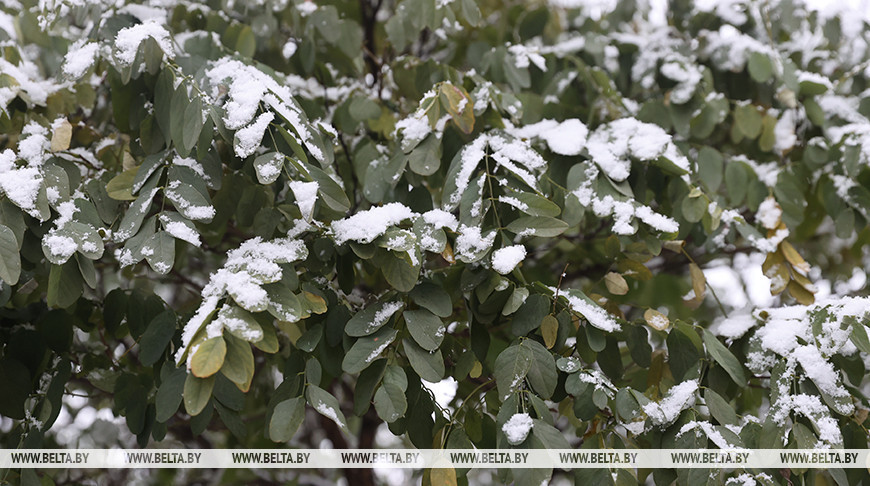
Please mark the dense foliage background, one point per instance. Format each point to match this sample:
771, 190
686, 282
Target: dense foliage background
236, 224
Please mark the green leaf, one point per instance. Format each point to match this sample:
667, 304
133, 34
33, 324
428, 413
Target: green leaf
516, 299
159, 250
197, 393
537, 226
366, 349
120, 187
425, 159
760, 67
241, 324
542, 374
329, 190
326, 405
169, 394
859, 336
470, 12
682, 353
724, 357
10, 260
209, 357
429, 365
511, 367
371, 318
65, 284
238, 364
549, 435
283, 303
535, 205
736, 182
192, 124
748, 120
190, 202
156, 337
426, 328
433, 298
529, 316
710, 167
286, 419
719, 408
268, 167
390, 402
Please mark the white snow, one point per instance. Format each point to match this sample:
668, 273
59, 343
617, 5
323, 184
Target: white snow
306, 195
365, 226
80, 57
769, 213
248, 139
504, 260
679, 398
596, 316
441, 219
471, 242
517, 428
128, 39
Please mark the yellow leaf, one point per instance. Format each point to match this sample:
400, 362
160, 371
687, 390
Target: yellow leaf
458, 104
793, 257
443, 477
209, 357
315, 302
61, 137
800, 294
699, 282
615, 283
656, 319
476, 370
675, 246
550, 329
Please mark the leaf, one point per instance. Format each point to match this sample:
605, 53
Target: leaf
535, 205
64, 285
120, 187
511, 367
366, 349
287, 416
159, 250
329, 190
517, 298
429, 365
197, 393
736, 182
238, 364
426, 328
760, 67
371, 318
61, 136
456, 101
192, 123
268, 167
615, 283
443, 476
169, 394
656, 319
719, 408
683, 356
191, 203
542, 374
425, 159
10, 259
543, 226
549, 435
748, 120
284, 304
699, 282
326, 405
724, 358
433, 298
390, 402
794, 257
531, 313
156, 337
209, 357
550, 330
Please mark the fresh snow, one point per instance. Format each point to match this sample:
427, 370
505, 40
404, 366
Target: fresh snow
80, 57
306, 195
128, 39
504, 260
679, 398
365, 226
517, 428
248, 139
